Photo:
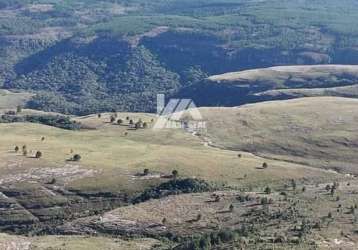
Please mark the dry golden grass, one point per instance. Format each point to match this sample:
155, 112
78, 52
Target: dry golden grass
320, 131
284, 130
118, 157
10, 100
280, 74
73, 243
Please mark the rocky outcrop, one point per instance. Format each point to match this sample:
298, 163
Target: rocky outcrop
35, 207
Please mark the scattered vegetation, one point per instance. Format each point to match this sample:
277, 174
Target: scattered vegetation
63, 122
76, 157
176, 186
38, 155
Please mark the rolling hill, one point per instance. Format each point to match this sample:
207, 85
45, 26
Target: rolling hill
275, 83
308, 76
272, 166
317, 131
107, 194
117, 157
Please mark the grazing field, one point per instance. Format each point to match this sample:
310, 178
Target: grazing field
9, 100
319, 131
117, 154
268, 163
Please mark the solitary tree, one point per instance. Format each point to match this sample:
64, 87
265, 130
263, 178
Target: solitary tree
24, 150
113, 119
138, 125
198, 217
38, 154
217, 198
145, 125
330, 215
146, 171
293, 184
268, 190
120, 122
264, 165
231, 208
175, 174
333, 189
76, 157
264, 201
42, 138
17, 149
99, 115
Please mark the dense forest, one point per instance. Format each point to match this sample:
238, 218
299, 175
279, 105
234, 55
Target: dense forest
89, 56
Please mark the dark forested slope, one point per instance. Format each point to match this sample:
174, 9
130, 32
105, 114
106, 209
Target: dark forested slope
86, 56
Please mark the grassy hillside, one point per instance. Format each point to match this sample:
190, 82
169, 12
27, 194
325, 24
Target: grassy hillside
345, 91
286, 197
312, 76
323, 137
320, 131
10, 100
116, 158
275, 83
